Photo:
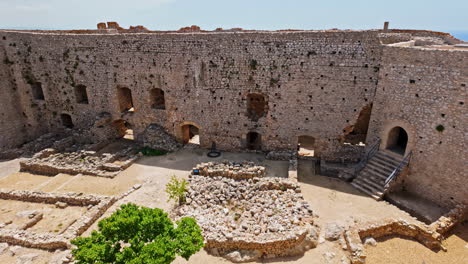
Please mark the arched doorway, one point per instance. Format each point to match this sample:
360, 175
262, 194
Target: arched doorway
397, 140
254, 141
306, 146
190, 134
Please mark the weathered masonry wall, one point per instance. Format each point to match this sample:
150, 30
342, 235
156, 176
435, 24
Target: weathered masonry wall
322, 79
272, 86
12, 126
423, 90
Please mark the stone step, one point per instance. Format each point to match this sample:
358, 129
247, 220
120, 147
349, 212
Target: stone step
387, 159
383, 163
377, 178
372, 189
377, 168
366, 191
376, 185
390, 155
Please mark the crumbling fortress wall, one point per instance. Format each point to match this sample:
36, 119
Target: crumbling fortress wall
424, 91
12, 126
248, 90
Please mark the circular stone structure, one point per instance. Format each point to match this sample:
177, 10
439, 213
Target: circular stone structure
248, 219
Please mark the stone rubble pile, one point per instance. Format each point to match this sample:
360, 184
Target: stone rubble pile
51, 162
244, 220
156, 137
234, 170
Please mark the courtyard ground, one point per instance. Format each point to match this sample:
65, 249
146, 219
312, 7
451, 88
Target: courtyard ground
332, 200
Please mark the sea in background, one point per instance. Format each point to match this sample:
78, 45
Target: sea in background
463, 35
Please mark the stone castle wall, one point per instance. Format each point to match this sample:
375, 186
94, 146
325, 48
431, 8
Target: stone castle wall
322, 79
420, 89
12, 126
314, 83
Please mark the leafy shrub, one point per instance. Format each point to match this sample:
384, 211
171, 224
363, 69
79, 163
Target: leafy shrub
176, 189
138, 235
147, 151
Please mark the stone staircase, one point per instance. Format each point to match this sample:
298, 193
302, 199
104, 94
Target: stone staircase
371, 179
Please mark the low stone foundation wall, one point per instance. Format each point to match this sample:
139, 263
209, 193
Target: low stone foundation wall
97, 205
234, 170
430, 236
51, 162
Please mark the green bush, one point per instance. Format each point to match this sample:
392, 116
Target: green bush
139, 235
147, 151
176, 189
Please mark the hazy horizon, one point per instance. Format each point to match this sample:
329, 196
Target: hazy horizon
446, 16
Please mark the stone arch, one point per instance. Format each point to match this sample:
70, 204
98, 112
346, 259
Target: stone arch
394, 131
123, 129
66, 120
306, 145
157, 99
189, 132
254, 140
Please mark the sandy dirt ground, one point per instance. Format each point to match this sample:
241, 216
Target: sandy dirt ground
332, 200
55, 220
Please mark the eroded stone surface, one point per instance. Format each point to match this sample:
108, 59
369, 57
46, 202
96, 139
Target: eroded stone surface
244, 220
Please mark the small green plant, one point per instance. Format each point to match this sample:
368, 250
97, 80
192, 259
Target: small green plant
273, 81
440, 128
253, 64
176, 189
135, 234
147, 151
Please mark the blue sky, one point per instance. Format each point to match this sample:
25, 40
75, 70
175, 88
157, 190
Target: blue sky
448, 15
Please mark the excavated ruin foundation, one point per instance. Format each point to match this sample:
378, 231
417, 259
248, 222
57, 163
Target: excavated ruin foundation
245, 216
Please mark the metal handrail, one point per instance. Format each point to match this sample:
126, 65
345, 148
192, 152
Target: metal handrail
369, 154
396, 172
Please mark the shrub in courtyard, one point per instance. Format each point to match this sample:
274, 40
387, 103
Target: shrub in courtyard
176, 189
147, 151
138, 235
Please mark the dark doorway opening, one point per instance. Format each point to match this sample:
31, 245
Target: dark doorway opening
254, 141
67, 120
191, 134
125, 100
397, 140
